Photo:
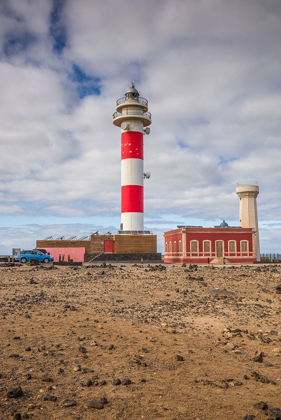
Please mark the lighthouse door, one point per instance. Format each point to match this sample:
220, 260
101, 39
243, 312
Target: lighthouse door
219, 249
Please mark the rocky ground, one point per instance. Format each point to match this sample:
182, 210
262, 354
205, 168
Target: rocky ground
140, 342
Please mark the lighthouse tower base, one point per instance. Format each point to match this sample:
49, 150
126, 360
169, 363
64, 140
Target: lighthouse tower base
133, 247
129, 247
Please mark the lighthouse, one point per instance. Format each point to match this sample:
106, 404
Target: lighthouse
248, 211
133, 118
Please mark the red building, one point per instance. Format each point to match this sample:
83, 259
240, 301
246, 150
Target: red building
191, 244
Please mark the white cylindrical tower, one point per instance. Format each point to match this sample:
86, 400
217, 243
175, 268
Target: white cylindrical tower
132, 116
248, 214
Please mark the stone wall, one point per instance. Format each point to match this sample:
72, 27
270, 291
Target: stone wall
138, 244
124, 257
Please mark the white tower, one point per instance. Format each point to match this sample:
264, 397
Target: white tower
248, 213
132, 116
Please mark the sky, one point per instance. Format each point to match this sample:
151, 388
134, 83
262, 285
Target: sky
211, 71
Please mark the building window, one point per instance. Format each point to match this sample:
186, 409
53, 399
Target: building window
179, 246
232, 247
244, 247
194, 247
170, 246
207, 247
175, 246
166, 247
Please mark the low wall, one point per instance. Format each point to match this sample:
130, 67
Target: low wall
194, 260
76, 254
123, 257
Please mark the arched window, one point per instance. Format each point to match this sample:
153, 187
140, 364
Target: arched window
232, 247
170, 246
194, 247
166, 247
244, 247
175, 246
207, 247
179, 246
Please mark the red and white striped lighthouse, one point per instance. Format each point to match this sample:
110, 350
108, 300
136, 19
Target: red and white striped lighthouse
133, 117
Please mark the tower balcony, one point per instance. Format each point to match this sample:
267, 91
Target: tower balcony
247, 190
131, 114
121, 102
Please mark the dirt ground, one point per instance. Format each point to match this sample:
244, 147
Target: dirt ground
185, 342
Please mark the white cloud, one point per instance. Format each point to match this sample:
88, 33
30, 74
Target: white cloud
25, 236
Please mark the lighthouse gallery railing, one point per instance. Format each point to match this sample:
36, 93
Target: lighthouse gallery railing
146, 115
142, 101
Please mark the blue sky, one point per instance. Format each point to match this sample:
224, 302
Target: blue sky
211, 74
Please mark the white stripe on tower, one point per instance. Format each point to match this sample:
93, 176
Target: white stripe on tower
131, 172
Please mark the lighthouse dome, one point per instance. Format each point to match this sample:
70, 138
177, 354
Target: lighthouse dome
132, 92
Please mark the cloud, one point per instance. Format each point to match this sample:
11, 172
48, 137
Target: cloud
211, 73
25, 236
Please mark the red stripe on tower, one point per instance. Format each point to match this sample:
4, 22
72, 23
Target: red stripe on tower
132, 199
132, 145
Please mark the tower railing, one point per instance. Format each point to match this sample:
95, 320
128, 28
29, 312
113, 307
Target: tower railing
141, 100
146, 115
241, 184
271, 258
